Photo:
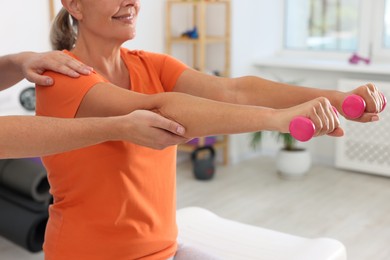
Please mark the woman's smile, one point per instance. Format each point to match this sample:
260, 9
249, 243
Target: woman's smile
128, 18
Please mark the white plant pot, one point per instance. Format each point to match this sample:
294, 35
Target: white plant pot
293, 164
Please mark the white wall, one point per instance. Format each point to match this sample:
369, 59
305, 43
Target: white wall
255, 33
24, 25
150, 27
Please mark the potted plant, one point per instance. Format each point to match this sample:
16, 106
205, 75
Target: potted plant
292, 162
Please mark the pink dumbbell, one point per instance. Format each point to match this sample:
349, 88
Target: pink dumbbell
302, 128
354, 106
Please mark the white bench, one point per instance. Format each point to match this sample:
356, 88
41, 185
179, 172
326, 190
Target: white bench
229, 239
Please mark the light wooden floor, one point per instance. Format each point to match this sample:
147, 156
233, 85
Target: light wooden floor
351, 207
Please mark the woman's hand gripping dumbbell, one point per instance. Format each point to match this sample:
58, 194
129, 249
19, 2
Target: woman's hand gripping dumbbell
362, 104
354, 106
303, 129
316, 117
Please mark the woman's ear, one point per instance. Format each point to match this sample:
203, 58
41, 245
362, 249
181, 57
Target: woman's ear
74, 8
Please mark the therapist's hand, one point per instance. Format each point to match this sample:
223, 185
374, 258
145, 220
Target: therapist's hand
149, 129
34, 64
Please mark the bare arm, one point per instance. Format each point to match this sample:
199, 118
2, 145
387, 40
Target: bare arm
262, 92
202, 117
29, 136
30, 65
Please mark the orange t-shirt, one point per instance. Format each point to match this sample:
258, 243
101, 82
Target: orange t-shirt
114, 200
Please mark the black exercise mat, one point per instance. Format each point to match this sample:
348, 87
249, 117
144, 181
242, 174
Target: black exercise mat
25, 176
21, 226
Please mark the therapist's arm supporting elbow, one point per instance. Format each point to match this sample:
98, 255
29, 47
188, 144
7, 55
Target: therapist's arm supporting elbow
31, 136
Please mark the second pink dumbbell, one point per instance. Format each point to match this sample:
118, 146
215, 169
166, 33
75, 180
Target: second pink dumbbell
354, 106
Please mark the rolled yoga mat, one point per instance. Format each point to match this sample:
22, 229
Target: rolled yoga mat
24, 201
26, 177
22, 226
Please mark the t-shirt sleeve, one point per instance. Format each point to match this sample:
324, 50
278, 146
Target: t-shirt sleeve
168, 68
65, 96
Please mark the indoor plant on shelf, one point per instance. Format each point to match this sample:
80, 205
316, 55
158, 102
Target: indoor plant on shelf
292, 162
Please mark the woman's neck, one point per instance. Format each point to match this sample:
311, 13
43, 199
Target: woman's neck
106, 60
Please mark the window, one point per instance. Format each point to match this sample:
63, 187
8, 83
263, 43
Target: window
322, 25
340, 27
386, 31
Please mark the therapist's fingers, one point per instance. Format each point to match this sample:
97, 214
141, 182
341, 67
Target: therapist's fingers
39, 79
169, 125
69, 66
56, 61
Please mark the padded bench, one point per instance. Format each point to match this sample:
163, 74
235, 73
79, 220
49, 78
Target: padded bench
229, 239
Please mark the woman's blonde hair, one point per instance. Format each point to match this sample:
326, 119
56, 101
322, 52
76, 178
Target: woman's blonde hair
63, 32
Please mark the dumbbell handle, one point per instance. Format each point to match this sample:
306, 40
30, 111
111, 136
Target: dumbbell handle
354, 106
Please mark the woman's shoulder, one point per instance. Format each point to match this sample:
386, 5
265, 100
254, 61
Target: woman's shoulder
147, 58
141, 54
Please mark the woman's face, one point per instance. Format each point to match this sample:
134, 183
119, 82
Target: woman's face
114, 19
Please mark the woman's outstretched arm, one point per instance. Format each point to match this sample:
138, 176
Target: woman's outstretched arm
203, 117
251, 90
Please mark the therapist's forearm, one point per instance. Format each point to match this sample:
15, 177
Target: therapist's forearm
31, 136
10, 70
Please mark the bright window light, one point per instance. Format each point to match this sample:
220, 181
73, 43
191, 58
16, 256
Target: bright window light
322, 25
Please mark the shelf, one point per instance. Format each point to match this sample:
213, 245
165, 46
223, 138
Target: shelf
198, 1
208, 39
197, 48
198, 10
324, 65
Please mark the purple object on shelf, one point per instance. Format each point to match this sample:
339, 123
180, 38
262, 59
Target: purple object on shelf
355, 59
